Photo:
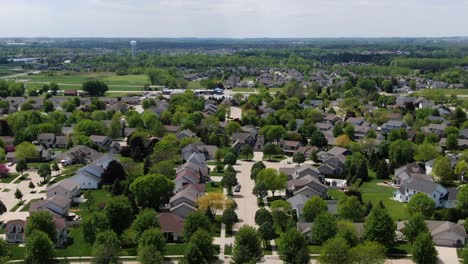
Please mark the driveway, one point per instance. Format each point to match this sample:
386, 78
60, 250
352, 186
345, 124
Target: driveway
447, 255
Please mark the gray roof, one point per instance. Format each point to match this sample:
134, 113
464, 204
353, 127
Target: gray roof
420, 185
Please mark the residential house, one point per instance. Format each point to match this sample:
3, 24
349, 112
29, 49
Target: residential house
89, 177
101, 141
171, 225
15, 227
406, 172
435, 191
187, 133
289, 147
444, 233
393, 124
66, 187
79, 155
205, 151
185, 201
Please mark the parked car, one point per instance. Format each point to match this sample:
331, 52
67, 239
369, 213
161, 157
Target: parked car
237, 188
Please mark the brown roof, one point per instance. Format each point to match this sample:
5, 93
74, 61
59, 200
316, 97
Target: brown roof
171, 223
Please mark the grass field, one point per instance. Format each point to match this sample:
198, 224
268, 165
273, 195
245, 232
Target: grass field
376, 193
9, 69
80, 77
447, 92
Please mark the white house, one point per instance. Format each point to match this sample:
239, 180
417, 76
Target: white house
89, 177
438, 193
65, 187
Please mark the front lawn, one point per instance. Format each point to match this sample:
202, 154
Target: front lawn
274, 158
8, 178
376, 193
214, 187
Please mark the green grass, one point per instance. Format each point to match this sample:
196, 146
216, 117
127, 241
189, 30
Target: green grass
217, 188
227, 250
175, 249
9, 69
314, 249
194, 85
376, 193
274, 158
16, 252
9, 178
447, 92
26, 207
16, 207
400, 248
78, 246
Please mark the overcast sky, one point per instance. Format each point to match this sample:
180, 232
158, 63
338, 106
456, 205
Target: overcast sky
233, 18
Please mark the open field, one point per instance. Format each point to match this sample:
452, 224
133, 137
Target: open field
446, 92
8, 69
80, 77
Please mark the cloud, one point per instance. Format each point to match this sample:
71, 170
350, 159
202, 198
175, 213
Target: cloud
233, 18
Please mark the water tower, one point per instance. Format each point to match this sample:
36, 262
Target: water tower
133, 44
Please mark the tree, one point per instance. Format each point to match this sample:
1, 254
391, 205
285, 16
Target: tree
149, 255
350, 208
216, 201
21, 166
347, 230
229, 217
421, 203
368, 253
229, 180
39, 248
44, 222
246, 151
401, 152
462, 197
26, 151
195, 221
152, 190
113, 172
379, 227
4, 251
106, 248
153, 237
256, 168
443, 169
263, 216
318, 139
298, 158
270, 149
232, 127
200, 248
3, 208
95, 87
343, 140
230, 159
145, 219
313, 207
247, 246
48, 106
115, 128
382, 170
292, 247
94, 224
423, 249
281, 213
119, 212
452, 142
335, 250
19, 195
387, 86
44, 171
461, 168
426, 152
414, 227
273, 179
266, 231
464, 254
356, 168
324, 228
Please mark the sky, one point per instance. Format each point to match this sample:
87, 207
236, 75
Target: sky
233, 18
